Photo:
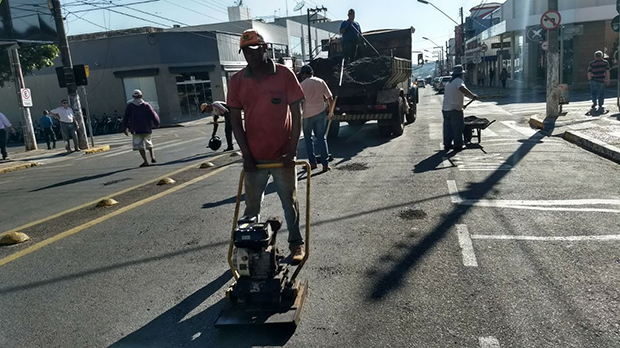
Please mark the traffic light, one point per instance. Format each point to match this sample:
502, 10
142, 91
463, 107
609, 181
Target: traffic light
79, 71
420, 59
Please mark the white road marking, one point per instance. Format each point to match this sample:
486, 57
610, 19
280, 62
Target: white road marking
176, 135
542, 205
528, 132
488, 342
467, 248
122, 152
489, 133
5, 182
454, 192
547, 238
435, 131
59, 166
201, 132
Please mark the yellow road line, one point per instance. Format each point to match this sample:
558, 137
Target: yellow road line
101, 219
30, 224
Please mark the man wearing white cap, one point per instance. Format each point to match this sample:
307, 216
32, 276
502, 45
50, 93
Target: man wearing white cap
139, 119
453, 121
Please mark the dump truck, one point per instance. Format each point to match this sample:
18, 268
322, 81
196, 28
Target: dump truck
368, 87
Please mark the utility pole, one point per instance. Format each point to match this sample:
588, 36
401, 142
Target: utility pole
462, 28
313, 11
553, 68
65, 55
30, 142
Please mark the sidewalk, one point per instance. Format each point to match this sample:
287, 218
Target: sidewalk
594, 131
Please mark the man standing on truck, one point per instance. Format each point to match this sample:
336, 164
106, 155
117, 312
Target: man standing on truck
316, 92
453, 121
351, 32
270, 97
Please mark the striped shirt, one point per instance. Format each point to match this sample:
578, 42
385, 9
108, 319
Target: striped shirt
597, 68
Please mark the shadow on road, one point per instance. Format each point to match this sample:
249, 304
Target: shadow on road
81, 179
433, 162
390, 281
172, 329
107, 268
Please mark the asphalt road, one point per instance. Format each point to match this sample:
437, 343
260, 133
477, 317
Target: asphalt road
513, 243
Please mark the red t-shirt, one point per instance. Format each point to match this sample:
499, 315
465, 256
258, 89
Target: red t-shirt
268, 124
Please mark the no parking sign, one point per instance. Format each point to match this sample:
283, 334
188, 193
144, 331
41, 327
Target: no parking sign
26, 97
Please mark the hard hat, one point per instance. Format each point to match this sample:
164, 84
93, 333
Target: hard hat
215, 143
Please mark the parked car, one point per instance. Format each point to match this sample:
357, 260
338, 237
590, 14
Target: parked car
443, 81
421, 83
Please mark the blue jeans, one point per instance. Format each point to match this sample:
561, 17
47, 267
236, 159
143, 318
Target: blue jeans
453, 127
285, 181
316, 124
598, 92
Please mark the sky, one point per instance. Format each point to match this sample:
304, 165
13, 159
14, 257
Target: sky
371, 14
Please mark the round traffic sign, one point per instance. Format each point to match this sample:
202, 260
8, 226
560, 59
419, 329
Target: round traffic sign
550, 20
544, 45
615, 24
25, 93
484, 47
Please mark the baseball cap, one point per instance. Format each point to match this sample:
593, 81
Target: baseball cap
136, 93
458, 70
306, 69
251, 38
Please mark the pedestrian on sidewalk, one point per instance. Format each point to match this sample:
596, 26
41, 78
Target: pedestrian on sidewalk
314, 115
268, 93
481, 78
218, 109
453, 121
491, 77
46, 122
503, 77
139, 119
4, 125
68, 124
598, 75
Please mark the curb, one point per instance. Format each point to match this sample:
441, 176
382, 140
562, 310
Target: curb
18, 166
97, 149
594, 145
540, 124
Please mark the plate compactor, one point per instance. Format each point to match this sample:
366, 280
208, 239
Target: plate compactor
266, 289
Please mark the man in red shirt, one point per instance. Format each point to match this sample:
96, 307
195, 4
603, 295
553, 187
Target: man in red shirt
270, 96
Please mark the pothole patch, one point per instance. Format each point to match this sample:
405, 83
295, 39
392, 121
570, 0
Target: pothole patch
353, 167
413, 213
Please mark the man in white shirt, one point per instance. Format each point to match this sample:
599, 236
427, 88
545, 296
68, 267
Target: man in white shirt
217, 109
314, 115
4, 125
453, 121
68, 124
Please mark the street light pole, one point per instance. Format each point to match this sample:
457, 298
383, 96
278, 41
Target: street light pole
455, 22
553, 68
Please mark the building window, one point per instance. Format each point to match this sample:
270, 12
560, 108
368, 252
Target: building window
193, 89
146, 85
296, 48
518, 59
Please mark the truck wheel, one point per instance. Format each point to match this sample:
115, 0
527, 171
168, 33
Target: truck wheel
356, 123
398, 129
411, 116
334, 129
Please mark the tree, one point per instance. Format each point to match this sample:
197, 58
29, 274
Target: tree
32, 58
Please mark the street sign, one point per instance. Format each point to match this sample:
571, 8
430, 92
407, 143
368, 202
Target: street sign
615, 24
535, 33
545, 46
550, 20
477, 58
26, 97
484, 47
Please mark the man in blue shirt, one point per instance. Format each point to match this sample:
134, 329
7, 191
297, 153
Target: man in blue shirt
351, 33
46, 124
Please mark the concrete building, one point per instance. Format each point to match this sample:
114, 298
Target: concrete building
177, 69
586, 28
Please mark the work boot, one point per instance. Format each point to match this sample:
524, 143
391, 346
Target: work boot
297, 253
313, 166
326, 168
230, 148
